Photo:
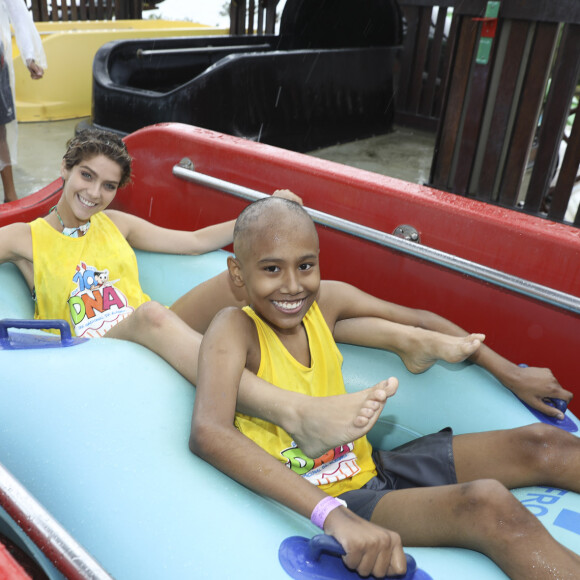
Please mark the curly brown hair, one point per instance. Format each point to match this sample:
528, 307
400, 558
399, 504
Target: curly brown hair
89, 143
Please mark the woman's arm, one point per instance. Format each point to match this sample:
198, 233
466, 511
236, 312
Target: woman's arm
16, 247
144, 235
15, 243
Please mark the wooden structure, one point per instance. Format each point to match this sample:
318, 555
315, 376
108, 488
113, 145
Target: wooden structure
501, 115
500, 118
65, 10
253, 16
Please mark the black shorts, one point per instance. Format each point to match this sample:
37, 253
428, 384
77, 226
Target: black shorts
7, 112
423, 462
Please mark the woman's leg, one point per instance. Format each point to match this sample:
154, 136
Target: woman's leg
348, 417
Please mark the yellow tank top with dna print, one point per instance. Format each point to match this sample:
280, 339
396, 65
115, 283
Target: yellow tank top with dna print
92, 281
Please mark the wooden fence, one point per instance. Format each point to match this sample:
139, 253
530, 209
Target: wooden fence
505, 113
253, 16
71, 10
500, 117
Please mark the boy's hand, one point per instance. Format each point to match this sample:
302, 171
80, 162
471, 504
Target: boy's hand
370, 549
287, 194
532, 385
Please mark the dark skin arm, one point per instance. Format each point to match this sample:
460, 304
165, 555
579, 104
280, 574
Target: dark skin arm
366, 328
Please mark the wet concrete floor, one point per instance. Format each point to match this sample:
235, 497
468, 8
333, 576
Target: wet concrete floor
404, 153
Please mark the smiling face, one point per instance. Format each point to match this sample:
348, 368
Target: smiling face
89, 187
277, 262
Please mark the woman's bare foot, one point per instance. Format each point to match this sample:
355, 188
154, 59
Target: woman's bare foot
322, 423
425, 347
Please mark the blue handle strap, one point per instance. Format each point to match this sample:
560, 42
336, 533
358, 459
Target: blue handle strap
325, 543
318, 558
15, 341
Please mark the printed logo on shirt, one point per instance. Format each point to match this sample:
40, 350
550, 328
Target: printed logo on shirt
337, 464
96, 305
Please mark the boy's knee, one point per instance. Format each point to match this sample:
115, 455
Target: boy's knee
486, 499
495, 514
489, 503
542, 445
484, 492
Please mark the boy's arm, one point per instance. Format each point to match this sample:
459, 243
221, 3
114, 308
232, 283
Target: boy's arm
222, 359
531, 384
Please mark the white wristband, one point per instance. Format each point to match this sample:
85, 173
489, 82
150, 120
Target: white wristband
323, 508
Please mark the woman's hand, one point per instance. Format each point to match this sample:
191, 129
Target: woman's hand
289, 195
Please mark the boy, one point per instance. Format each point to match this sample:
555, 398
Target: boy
285, 336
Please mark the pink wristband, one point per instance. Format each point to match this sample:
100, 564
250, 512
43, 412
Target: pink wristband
323, 508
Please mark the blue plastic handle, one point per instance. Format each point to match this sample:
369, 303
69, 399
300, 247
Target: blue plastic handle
318, 558
325, 543
61, 325
560, 404
66, 338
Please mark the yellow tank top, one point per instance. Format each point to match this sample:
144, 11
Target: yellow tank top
92, 282
341, 469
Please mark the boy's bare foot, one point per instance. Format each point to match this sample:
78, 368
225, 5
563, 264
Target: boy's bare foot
323, 423
427, 347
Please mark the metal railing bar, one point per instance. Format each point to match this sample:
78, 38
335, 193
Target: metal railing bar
192, 50
67, 555
479, 271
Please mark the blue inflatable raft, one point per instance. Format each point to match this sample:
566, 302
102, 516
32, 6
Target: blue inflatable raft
97, 432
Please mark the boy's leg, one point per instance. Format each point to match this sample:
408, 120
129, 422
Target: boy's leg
352, 416
536, 454
418, 348
481, 515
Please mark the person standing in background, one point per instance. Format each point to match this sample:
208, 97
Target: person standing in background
15, 13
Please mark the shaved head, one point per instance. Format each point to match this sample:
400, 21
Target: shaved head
266, 217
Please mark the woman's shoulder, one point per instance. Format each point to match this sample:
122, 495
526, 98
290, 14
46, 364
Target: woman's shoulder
16, 242
17, 229
122, 220
119, 219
